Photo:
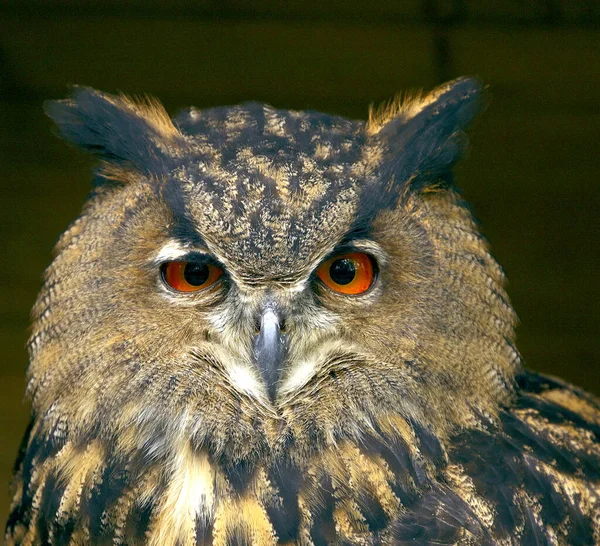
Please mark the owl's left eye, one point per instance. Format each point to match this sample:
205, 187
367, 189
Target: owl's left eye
190, 276
352, 273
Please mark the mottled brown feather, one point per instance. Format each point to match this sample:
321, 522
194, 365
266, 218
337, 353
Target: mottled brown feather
400, 416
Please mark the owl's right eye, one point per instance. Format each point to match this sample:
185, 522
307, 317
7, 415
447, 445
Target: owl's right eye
351, 274
190, 276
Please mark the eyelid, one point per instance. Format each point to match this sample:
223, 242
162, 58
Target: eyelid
193, 256
190, 255
364, 246
173, 250
370, 247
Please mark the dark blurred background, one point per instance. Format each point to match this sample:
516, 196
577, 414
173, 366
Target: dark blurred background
532, 175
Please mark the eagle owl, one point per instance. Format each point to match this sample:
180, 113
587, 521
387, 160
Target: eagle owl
281, 327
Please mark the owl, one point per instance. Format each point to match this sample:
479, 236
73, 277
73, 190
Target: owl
282, 327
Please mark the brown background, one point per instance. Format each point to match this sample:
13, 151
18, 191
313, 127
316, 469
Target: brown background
532, 175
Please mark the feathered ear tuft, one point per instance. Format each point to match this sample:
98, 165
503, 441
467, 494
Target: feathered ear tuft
422, 137
131, 134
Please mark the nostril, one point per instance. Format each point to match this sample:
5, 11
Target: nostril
269, 320
257, 326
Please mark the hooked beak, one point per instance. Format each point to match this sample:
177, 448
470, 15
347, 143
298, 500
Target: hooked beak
269, 347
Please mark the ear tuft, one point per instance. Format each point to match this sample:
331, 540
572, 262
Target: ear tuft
117, 129
422, 136
405, 104
409, 104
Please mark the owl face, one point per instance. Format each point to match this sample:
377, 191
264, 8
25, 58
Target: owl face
258, 283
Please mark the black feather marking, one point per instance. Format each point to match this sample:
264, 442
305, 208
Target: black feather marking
48, 508
239, 473
112, 485
543, 448
372, 510
429, 445
23, 447
555, 413
285, 516
39, 449
534, 383
323, 530
49, 504
554, 507
439, 517
507, 458
581, 530
533, 533
491, 462
566, 459
64, 532
19, 513
396, 454
138, 522
204, 531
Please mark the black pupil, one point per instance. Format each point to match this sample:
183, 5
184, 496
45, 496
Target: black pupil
342, 271
196, 273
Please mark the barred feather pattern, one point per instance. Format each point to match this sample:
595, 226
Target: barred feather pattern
531, 477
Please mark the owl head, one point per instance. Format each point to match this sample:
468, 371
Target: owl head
260, 283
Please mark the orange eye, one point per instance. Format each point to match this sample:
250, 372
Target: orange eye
190, 276
350, 273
